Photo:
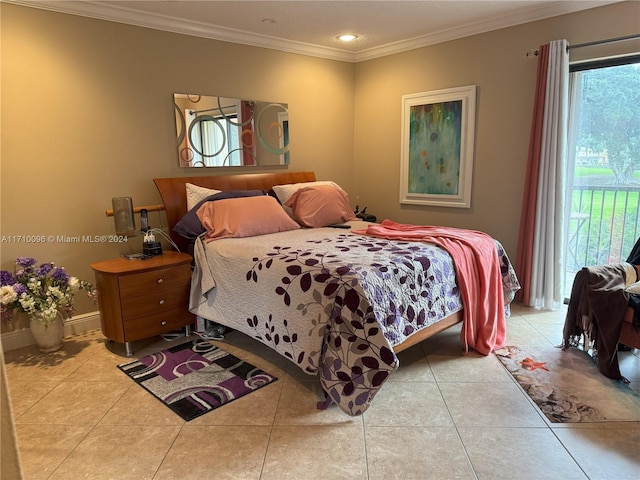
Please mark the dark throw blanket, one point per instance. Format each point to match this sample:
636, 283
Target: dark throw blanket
596, 310
634, 299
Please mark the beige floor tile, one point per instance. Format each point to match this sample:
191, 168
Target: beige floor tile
298, 406
138, 407
73, 346
629, 366
104, 352
416, 453
490, 405
216, 452
530, 312
520, 309
31, 365
118, 452
42, 448
75, 403
447, 342
552, 330
522, 332
88, 342
471, 367
101, 368
408, 404
522, 453
79, 416
605, 453
313, 452
24, 394
414, 367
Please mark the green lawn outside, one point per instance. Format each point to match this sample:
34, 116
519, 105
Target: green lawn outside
611, 227
580, 172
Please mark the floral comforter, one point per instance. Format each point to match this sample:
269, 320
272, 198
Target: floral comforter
331, 301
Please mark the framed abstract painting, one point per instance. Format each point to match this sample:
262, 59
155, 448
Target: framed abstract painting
438, 132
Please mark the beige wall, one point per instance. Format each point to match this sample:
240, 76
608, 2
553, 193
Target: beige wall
505, 80
87, 115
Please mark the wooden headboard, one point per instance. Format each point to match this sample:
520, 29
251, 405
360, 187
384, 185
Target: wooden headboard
174, 191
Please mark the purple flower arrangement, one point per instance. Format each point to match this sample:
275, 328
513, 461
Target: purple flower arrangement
41, 291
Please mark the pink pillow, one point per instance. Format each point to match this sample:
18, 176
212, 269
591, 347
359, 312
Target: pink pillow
320, 205
244, 217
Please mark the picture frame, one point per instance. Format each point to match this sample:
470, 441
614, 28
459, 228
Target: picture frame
438, 134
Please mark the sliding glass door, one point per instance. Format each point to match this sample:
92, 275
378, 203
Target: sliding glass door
603, 167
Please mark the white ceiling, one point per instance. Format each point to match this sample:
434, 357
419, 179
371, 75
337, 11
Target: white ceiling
310, 27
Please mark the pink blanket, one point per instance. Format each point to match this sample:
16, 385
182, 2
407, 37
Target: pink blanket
478, 274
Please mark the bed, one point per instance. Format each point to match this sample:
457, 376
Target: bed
338, 304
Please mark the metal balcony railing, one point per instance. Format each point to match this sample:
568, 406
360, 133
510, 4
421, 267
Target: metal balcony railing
603, 227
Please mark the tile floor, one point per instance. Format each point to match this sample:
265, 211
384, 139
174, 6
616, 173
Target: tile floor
441, 416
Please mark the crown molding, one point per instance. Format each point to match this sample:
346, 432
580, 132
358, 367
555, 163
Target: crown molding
112, 13
475, 28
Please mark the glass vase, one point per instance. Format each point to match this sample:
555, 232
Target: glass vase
48, 335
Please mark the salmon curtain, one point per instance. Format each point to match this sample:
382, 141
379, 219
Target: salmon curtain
540, 259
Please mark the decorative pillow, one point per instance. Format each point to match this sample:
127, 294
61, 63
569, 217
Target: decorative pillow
244, 217
284, 192
320, 205
195, 193
190, 226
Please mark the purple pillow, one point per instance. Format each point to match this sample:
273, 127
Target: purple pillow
190, 226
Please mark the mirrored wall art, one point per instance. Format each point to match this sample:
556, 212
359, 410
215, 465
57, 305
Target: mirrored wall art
230, 132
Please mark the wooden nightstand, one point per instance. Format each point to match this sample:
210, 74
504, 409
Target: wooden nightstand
143, 298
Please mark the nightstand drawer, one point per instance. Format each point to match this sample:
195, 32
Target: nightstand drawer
154, 281
155, 303
140, 327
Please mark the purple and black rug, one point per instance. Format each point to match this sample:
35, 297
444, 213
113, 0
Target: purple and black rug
195, 377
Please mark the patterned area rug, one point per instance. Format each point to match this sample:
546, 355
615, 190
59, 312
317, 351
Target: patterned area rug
195, 377
567, 386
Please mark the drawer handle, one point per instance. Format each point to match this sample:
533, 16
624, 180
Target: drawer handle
161, 302
163, 323
159, 280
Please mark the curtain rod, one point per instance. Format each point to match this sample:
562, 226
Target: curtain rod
589, 44
600, 42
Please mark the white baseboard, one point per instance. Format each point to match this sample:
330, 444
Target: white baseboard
77, 324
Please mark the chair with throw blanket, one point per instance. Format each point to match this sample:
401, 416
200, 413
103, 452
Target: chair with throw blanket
604, 312
630, 334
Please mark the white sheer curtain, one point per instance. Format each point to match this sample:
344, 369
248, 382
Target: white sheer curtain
541, 260
575, 90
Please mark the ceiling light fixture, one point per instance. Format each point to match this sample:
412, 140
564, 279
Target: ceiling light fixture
347, 37
269, 21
